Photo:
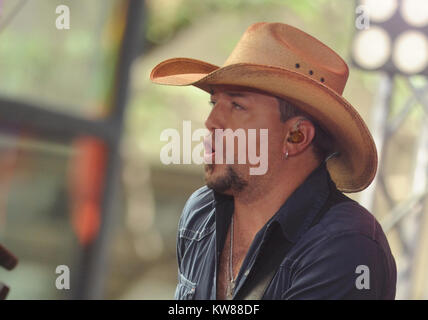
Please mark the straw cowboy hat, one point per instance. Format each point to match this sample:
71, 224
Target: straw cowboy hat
288, 63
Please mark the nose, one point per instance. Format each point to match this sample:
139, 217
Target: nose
216, 119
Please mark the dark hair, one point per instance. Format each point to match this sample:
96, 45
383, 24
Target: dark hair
322, 143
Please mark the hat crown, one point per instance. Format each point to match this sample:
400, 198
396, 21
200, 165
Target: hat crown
283, 46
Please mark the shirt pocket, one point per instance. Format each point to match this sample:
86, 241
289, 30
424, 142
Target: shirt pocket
185, 289
190, 241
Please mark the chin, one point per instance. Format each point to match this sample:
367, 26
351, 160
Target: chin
213, 172
224, 179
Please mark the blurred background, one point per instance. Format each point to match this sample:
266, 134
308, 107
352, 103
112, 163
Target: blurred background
81, 182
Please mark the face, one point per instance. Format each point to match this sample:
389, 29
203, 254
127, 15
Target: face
250, 112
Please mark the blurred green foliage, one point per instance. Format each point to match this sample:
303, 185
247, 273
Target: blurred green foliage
166, 17
67, 70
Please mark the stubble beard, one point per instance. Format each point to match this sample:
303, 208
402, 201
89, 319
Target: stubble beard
230, 181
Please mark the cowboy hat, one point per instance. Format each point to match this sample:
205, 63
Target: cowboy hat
288, 63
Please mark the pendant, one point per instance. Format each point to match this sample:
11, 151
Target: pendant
229, 290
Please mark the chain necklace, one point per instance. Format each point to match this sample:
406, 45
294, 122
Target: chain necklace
231, 283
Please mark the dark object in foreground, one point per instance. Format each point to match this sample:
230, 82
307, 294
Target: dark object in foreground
8, 261
4, 290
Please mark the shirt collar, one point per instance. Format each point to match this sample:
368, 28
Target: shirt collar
297, 213
301, 208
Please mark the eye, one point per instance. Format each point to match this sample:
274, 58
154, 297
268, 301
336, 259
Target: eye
237, 106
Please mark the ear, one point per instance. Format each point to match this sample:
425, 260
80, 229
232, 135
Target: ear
306, 131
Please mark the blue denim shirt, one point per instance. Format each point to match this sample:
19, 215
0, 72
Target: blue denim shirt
342, 255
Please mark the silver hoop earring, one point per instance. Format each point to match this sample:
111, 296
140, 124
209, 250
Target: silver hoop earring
286, 155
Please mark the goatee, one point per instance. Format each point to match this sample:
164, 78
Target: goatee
229, 181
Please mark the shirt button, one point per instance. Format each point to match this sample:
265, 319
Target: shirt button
247, 272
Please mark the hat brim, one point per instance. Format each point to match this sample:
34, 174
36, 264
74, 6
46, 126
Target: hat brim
352, 170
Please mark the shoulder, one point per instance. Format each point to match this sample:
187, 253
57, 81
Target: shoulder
350, 233
197, 214
350, 218
347, 239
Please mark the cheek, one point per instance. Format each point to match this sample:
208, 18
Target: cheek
275, 144
262, 141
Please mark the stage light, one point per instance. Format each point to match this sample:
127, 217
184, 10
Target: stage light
410, 53
380, 10
393, 37
415, 12
372, 48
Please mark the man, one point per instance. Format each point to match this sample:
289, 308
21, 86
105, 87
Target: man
288, 233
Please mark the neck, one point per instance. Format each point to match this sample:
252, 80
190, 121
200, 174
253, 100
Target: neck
249, 218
